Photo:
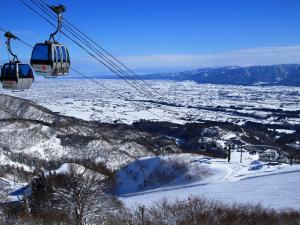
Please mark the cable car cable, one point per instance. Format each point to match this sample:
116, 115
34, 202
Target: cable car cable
101, 55
111, 61
114, 70
91, 54
110, 55
98, 83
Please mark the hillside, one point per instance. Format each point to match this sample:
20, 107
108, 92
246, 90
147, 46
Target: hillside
30, 130
34, 131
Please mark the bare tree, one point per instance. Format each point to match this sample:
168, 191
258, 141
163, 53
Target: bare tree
3, 194
3, 198
203, 212
80, 193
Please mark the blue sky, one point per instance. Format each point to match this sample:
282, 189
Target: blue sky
160, 35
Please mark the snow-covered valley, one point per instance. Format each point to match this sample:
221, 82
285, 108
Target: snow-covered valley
72, 121
86, 100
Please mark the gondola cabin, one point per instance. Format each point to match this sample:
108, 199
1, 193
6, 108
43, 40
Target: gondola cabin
16, 76
50, 59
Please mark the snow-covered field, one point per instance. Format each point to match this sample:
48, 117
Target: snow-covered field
87, 100
274, 186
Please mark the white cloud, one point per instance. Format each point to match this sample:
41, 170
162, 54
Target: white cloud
244, 57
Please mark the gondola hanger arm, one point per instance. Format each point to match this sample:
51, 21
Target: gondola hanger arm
59, 9
10, 36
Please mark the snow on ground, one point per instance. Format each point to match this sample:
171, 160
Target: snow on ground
12, 191
285, 131
275, 186
279, 191
153, 172
5, 160
83, 99
47, 149
66, 168
69, 168
228, 136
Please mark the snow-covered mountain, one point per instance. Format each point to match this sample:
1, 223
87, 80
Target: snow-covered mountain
140, 157
34, 131
283, 74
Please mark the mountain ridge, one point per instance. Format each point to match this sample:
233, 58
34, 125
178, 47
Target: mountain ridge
279, 74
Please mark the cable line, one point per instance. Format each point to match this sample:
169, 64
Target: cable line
105, 51
116, 68
103, 63
96, 82
113, 60
104, 60
144, 91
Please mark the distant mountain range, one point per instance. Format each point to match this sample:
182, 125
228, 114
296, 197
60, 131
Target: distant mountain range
283, 74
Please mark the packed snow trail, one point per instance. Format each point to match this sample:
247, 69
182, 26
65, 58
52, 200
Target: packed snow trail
279, 191
274, 186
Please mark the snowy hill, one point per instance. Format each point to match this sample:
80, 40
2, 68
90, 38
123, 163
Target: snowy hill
28, 129
17, 108
34, 131
153, 172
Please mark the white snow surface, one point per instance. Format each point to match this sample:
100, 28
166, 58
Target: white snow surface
8, 186
68, 168
86, 100
285, 131
152, 172
273, 186
4, 160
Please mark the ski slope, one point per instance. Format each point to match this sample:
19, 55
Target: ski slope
279, 191
272, 186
